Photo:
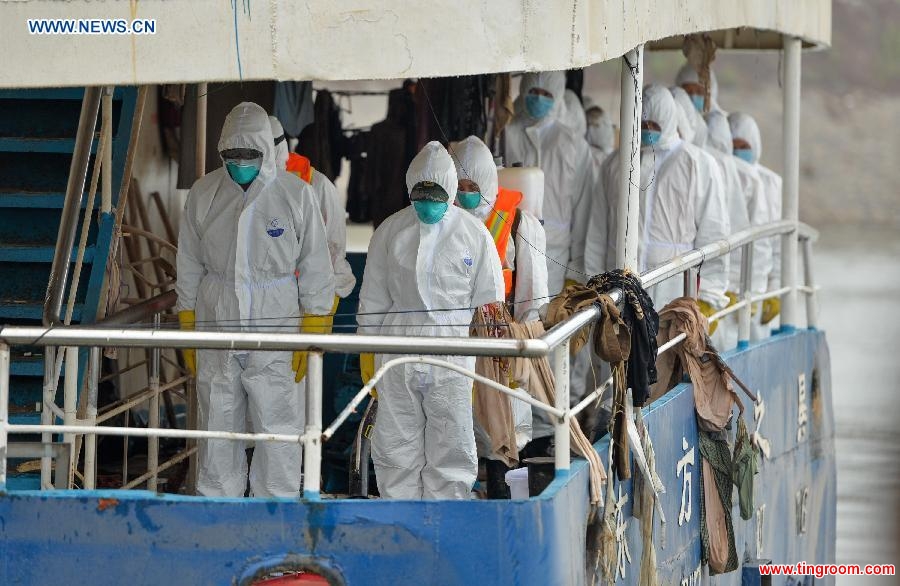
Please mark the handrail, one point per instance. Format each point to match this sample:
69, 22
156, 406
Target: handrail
697, 256
68, 225
390, 344
140, 312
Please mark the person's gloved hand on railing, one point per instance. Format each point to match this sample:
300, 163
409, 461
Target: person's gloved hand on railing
187, 319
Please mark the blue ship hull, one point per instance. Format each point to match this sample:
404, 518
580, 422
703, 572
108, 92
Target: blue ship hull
118, 537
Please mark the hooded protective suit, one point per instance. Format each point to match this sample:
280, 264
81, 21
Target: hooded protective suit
601, 134
574, 113
682, 207
423, 444
743, 126
246, 259
691, 125
687, 74
564, 156
524, 254
333, 215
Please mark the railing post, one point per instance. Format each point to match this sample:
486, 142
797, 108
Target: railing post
690, 283
47, 415
4, 410
791, 180
745, 313
312, 445
560, 364
812, 298
70, 404
630, 161
153, 421
90, 440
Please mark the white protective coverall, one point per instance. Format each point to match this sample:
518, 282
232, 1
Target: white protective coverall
601, 134
687, 74
743, 126
475, 162
239, 257
692, 127
423, 445
333, 215
564, 157
682, 207
752, 212
574, 113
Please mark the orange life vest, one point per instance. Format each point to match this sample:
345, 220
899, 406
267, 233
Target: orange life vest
299, 166
500, 224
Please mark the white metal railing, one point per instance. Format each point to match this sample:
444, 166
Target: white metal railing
554, 343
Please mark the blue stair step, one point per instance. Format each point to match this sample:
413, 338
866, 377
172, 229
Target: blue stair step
33, 418
40, 145
58, 93
41, 199
28, 365
34, 311
20, 253
23, 481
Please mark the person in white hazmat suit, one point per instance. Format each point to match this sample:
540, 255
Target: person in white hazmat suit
689, 80
600, 134
539, 137
748, 147
751, 212
524, 256
333, 215
251, 253
429, 265
692, 127
542, 135
682, 206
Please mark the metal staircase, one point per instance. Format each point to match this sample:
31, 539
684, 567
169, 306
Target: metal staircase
37, 140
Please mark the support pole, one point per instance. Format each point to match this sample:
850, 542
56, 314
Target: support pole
153, 422
90, 441
629, 159
200, 152
70, 404
745, 313
4, 410
106, 166
690, 283
312, 445
791, 184
812, 298
560, 364
49, 390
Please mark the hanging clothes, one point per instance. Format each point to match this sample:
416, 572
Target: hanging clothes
357, 195
323, 142
452, 108
294, 106
388, 157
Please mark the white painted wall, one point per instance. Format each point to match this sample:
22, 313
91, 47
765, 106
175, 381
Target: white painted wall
218, 40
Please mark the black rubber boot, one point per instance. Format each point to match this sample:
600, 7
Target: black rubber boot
496, 480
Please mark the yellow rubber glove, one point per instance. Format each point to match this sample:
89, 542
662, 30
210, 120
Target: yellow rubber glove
367, 369
309, 324
732, 298
328, 323
570, 282
770, 309
707, 310
187, 319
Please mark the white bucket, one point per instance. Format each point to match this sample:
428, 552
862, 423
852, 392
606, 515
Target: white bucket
518, 483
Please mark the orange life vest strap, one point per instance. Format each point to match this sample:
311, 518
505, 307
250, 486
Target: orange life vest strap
500, 224
300, 166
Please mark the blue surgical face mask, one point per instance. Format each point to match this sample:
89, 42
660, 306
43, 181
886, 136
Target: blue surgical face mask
538, 106
699, 102
430, 212
468, 200
744, 154
243, 172
650, 137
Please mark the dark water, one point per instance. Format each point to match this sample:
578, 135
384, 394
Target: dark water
858, 270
